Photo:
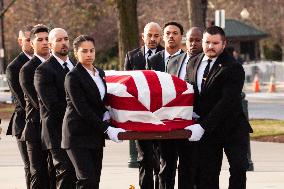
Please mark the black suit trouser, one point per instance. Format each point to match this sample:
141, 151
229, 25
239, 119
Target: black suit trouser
188, 164
88, 166
38, 166
210, 159
168, 163
149, 163
24, 155
65, 173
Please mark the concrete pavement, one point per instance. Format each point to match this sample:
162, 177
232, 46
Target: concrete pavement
267, 157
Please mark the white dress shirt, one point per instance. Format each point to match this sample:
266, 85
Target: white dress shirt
69, 63
29, 57
147, 53
99, 82
168, 55
39, 57
201, 70
183, 67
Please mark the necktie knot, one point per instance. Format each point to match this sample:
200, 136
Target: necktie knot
149, 52
65, 67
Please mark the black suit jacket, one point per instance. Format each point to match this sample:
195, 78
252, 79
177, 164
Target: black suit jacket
17, 122
32, 128
156, 62
135, 59
49, 84
219, 104
82, 124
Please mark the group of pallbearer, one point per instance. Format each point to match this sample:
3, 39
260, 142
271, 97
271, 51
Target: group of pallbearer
61, 120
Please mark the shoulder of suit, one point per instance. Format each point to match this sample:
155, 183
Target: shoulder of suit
134, 51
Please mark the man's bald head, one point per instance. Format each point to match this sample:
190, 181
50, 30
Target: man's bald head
194, 41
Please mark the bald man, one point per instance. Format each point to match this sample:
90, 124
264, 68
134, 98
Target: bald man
49, 84
136, 59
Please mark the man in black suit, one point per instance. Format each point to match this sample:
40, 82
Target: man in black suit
218, 81
147, 149
17, 122
137, 58
31, 132
172, 35
187, 151
49, 84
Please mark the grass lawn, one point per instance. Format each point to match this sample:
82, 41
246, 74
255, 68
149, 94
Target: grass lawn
266, 127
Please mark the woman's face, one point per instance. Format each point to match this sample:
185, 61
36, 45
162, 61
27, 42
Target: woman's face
86, 53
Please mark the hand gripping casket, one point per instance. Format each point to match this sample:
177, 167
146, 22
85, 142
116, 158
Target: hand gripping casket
148, 101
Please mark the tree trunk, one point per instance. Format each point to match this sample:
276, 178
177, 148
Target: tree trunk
197, 12
127, 28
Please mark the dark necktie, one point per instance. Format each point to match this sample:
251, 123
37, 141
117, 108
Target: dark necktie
65, 68
206, 73
149, 52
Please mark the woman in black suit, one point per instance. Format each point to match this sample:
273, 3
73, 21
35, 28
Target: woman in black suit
86, 117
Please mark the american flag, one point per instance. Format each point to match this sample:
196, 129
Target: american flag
149, 100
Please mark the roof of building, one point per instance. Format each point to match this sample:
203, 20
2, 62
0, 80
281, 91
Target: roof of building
235, 28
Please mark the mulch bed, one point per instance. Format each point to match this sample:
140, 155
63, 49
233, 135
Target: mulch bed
279, 139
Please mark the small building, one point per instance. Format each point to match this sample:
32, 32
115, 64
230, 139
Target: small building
244, 39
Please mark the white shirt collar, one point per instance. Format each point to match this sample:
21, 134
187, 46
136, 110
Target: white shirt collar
168, 54
153, 50
29, 57
41, 58
206, 58
62, 61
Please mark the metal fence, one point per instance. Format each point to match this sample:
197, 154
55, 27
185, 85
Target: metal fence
264, 70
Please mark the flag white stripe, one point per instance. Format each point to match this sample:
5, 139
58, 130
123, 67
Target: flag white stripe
134, 116
168, 87
170, 113
117, 89
141, 85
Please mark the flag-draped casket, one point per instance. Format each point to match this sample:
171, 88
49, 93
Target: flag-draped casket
148, 100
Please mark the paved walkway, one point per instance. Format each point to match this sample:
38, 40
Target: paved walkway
267, 157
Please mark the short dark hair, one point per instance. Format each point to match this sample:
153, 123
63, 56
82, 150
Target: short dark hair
26, 28
174, 24
80, 39
213, 30
38, 29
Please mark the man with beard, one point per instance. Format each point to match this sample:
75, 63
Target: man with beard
218, 81
187, 151
31, 132
49, 84
17, 122
147, 149
172, 36
137, 58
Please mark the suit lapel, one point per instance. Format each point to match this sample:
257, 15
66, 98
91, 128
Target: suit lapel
198, 62
89, 80
214, 70
181, 62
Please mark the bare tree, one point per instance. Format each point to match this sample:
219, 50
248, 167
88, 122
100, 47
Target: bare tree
197, 12
127, 28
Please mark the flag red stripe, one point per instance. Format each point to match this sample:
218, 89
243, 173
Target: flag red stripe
155, 90
182, 100
125, 103
127, 80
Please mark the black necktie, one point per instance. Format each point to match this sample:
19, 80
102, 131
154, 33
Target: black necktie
206, 73
149, 52
65, 68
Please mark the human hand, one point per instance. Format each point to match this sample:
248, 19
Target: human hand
196, 132
112, 133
